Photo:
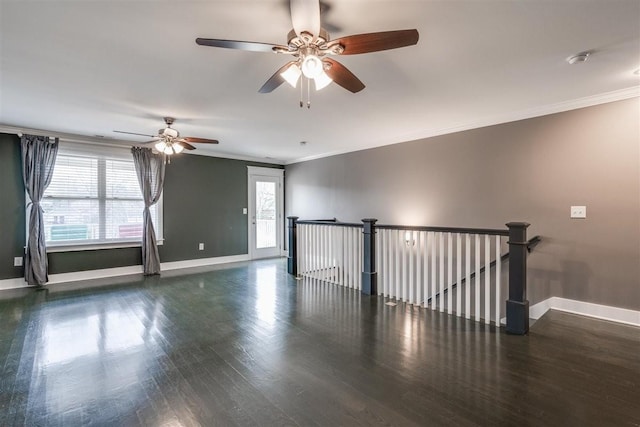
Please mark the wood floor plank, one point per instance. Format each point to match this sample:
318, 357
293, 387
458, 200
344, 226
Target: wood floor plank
246, 344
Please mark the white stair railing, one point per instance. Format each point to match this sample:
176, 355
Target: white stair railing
451, 270
331, 253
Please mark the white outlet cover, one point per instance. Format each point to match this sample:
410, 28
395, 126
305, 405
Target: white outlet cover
201, 246
17, 261
579, 212
244, 211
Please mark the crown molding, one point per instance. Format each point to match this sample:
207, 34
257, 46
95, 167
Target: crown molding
120, 143
559, 107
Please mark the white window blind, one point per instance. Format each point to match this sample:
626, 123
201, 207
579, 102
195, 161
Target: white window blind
94, 198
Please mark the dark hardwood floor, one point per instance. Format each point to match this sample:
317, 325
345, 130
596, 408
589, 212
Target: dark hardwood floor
248, 345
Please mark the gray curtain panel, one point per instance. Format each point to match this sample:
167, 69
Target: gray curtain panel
150, 169
38, 160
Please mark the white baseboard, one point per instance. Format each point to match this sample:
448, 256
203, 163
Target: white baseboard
598, 311
123, 271
538, 310
18, 282
201, 262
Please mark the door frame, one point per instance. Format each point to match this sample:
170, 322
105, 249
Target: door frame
253, 172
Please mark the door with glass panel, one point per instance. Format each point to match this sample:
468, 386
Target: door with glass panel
265, 212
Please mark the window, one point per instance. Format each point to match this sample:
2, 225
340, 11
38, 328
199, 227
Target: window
94, 198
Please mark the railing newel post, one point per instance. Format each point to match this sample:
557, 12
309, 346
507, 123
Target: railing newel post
369, 273
517, 304
292, 257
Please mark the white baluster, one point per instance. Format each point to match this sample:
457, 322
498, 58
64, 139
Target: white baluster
330, 273
498, 273
385, 261
357, 272
322, 252
382, 269
419, 268
316, 251
358, 268
405, 268
487, 279
459, 275
398, 284
476, 282
434, 252
449, 273
378, 240
387, 278
425, 257
412, 269
467, 280
343, 257
330, 253
326, 256
441, 273
309, 249
350, 256
300, 249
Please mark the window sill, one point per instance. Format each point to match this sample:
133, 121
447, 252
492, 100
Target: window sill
76, 247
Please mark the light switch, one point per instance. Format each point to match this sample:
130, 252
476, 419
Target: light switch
579, 212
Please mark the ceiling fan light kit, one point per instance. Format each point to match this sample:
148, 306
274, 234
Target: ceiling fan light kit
168, 140
292, 74
311, 47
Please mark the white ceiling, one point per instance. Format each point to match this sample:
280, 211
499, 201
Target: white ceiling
91, 67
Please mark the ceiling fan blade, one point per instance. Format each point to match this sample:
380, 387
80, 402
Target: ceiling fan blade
133, 133
198, 140
342, 76
305, 16
374, 42
187, 146
241, 45
275, 80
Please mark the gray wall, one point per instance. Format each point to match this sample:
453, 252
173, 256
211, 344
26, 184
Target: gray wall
531, 170
203, 201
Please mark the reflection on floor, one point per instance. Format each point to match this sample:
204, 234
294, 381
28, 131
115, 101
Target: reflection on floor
246, 344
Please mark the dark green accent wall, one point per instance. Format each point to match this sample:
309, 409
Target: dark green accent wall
65, 262
203, 201
12, 209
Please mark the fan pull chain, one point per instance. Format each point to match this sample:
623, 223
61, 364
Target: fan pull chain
302, 79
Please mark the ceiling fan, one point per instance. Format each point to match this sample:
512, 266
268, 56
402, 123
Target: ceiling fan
168, 140
310, 46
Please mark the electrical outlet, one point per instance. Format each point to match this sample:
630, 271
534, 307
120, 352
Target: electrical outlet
201, 246
579, 212
244, 211
17, 261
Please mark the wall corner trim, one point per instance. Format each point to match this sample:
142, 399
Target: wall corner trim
76, 276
